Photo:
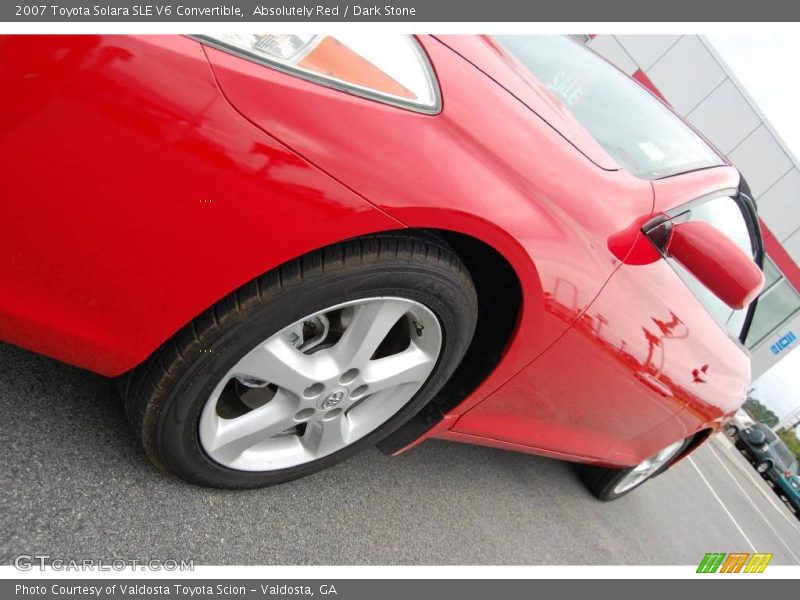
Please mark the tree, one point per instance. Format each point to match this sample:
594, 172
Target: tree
790, 439
759, 412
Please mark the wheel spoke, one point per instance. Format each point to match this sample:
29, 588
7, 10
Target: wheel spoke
229, 438
410, 366
370, 325
376, 408
326, 390
324, 437
278, 362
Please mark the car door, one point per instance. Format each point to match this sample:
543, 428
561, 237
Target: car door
653, 359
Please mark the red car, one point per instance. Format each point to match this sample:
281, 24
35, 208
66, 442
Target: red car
288, 248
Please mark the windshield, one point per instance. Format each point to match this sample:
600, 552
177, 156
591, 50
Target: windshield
638, 131
784, 455
768, 435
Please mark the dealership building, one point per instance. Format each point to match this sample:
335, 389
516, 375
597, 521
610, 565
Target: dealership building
689, 74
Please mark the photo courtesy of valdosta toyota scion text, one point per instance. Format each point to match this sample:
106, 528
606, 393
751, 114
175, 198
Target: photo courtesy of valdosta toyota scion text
454, 292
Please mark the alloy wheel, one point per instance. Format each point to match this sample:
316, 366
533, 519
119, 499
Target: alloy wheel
648, 467
320, 384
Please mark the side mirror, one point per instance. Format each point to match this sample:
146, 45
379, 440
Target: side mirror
716, 262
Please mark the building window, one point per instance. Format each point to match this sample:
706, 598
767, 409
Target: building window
777, 303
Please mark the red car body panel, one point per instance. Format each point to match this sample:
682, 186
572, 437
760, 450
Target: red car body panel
502, 185
635, 359
135, 197
148, 177
487, 55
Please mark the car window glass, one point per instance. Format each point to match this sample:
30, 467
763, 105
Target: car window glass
768, 434
725, 214
637, 130
782, 453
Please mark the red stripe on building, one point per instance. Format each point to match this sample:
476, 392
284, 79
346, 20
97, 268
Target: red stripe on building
642, 78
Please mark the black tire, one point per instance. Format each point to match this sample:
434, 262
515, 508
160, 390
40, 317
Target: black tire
763, 467
602, 481
164, 396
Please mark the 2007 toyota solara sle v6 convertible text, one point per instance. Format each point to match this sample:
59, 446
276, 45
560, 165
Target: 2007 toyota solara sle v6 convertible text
287, 248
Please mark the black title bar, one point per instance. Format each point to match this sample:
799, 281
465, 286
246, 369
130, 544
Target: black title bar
473, 11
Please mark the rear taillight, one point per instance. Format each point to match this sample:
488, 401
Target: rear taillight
388, 68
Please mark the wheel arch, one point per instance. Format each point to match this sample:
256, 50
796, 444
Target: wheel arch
499, 291
500, 299
697, 440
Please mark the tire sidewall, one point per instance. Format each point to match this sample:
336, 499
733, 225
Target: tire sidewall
176, 431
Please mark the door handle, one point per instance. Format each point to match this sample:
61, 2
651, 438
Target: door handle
654, 384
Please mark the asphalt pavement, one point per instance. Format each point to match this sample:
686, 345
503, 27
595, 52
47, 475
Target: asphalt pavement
74, 485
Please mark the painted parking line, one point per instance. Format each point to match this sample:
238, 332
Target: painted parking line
753, 504
722, 504
768, 495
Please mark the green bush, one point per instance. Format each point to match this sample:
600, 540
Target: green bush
790, 439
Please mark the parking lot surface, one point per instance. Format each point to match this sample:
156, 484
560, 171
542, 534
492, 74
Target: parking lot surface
75, 485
